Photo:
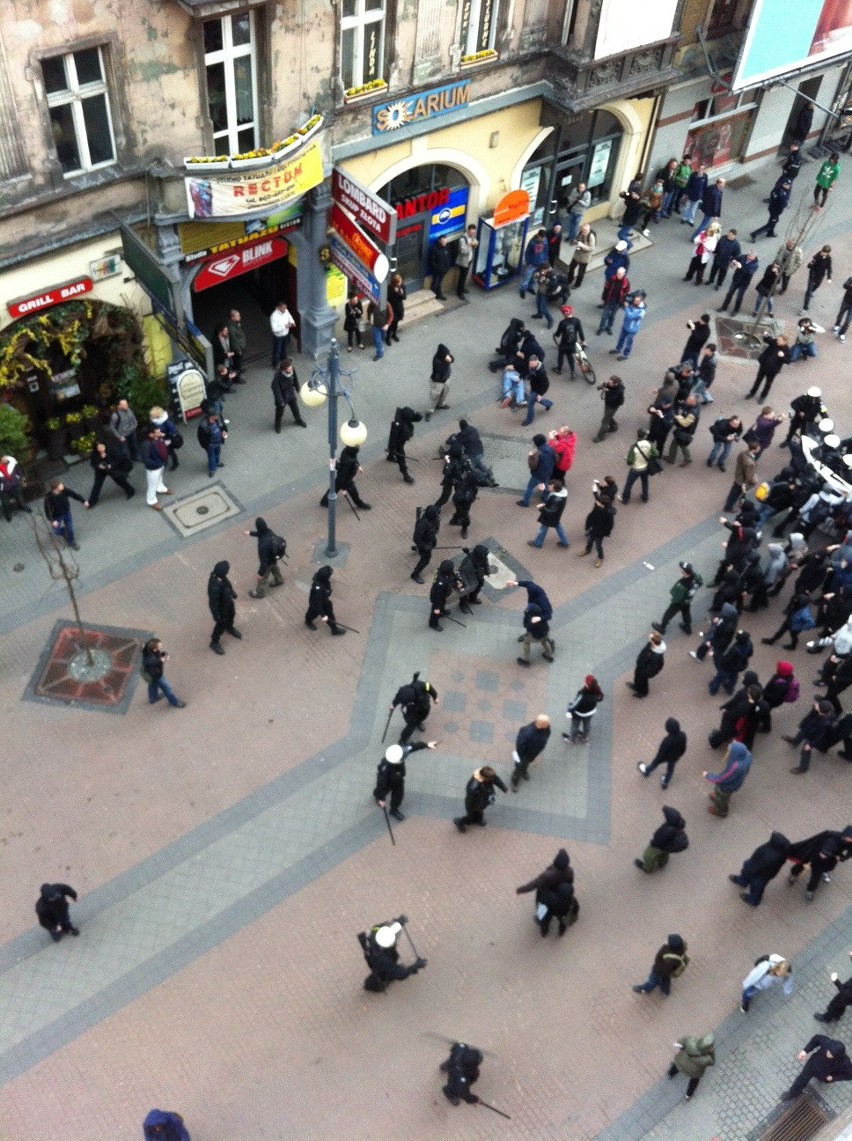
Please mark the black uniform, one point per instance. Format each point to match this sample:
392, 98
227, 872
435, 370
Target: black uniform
401, 431
115, 464
52, 910
220, 598
823, 852
462, 1070
425, 538
390, 779
455, 466
481, 567
819, 1065
568, 333
285, 385
344, 479
319, 601
416, 700
464, 495
443, 586
839, 1002
478, 794
383, 962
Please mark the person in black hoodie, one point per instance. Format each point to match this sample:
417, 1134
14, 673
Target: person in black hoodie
763, 865
537, 629
462, 1070
319, 602
416, 698
390, 776
344, 479
670, 837
509, 346
672, 747
813, 733
730, 663
425, 539
829, 1063
442, 363
482, 568
220, 599
478, 794
793, 611
742, 716
268, 543
529, 744
837, 1007
401, 431
109, 462
465, 491
649, 663
528, 348
445, 583
285, 386
670, 961
549, 888
718, 637
823, 852
52, 910
454, 468
599, 523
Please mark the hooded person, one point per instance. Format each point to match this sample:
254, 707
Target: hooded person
401, 431
823, 852
763, 865
425, 538
839, 1002
509, 345
828, 1062
481, 567
416, 698
649, 663
554, 894
730, 663
270, 548
780, 686
730, 779
694, 1055
766, 973
442, 363
348, 467
319, 602
671, 749
379, 947
462, 1070
220, 599
443, 586
722, 629
164, 1125
390, 775
52, 910
478, 794
742, 716
669, 963
670, 837
814, 732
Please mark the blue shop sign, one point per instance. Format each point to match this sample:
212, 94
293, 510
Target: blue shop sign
415, 108
450, 217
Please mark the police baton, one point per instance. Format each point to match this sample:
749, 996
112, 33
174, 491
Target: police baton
387, 821
352, 506
411, 941
351, 629
387, 726
451, 619
493, 1108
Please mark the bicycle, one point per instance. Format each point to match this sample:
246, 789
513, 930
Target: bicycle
584, 364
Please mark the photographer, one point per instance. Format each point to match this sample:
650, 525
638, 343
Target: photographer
154, 658
612, 394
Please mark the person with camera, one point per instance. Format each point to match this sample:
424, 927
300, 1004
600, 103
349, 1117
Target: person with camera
154, 658
612, 394
744, 270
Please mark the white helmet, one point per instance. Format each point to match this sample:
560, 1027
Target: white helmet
386, 936
394, 754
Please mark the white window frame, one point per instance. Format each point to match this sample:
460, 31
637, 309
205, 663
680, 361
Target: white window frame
227, 56
473, 17
74, 96
360, 22
745, 102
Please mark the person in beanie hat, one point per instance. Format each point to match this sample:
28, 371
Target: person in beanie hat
462, 1070
554, 894
823, 852
682, 594
344, 480
669, 963
763, 865
732, 778
164, 1125
766, 972
694, 1055
670, 837
379, 947
478, 794
390, 775
814, 729
649, 663
840, 1001
529, 744
52, 910
828, 1062
319, 602
269, 551
220, 599
672, 747
582, 709
778, 689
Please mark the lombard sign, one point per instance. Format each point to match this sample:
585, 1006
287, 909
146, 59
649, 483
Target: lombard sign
239, 260
50, 297
372, 213
416, 108
360, 246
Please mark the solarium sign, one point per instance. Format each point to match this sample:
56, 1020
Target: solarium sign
417, 108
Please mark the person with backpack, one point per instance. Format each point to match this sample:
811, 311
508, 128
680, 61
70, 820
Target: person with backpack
763, 865
694, 1055
559, 874
671, 749
164, 1125
462, 1070
379, 947
416, 699
640, 458
668, 839
797, 619
730, 779
599, 523
550, 515
541, 462
582, 709
270, 548
154, 658
669, 963
813, 733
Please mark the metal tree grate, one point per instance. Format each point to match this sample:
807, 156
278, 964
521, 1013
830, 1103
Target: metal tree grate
802, 1121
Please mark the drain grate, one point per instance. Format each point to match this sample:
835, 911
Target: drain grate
802, 1121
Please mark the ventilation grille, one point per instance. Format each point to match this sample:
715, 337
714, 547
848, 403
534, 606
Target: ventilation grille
802, 1121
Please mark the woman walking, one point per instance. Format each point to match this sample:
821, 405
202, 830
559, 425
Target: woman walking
766, 972
396, 300
582, 709
694, 1056
353, 315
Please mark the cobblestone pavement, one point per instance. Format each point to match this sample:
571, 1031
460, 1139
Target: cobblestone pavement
227, 854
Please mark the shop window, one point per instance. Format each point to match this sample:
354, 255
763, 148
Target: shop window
478, 28
362, 42
79, 110
231, 72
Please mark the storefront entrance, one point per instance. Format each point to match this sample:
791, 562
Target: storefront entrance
430, 201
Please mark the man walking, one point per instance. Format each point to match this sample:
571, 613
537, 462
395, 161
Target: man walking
536, 255
348, 468
379, 947
669, 963
745, 475
320, 604
828, 1062
52, 910
529, 744
711, 206
672, 747
682, 594
285, 386
479, 793
779, 200
836, 1008
281, 323
270, 548
220, 598
57, 509
823, 852
744, 271
634, 314
763, 865
416, 698
730, 780
537, 629
390, 775
154, 658
819, 270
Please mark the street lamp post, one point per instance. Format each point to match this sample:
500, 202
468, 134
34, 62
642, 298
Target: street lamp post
325, 384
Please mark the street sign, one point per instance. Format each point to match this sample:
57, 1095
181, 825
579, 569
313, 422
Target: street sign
360, 246
372, 213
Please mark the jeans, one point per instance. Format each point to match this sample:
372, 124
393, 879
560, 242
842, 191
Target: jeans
756, 887
667, 203
624, 231
214, 452
722, 679
702, 225
279, 349
63, 525
161, 685
689, 211
654, 980
625, 342
378, 340
797, 350
607, 317
542, 308
532, 484
719, 453
527, 276
769, 309
514, 388
632, 476
573, 226
560, 534
531, 403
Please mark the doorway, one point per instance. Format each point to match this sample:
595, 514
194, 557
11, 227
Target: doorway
807, 93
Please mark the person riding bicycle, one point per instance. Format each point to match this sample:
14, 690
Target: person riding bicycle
569, 332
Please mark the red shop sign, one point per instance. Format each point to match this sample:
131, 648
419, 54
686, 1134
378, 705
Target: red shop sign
54, 296
242, 259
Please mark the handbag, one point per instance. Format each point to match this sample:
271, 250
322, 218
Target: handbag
176, 440
654, 466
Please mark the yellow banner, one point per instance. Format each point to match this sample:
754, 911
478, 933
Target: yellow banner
228, 195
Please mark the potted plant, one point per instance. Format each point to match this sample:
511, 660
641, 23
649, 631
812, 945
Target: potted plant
84, 444
91, 415
204, 164
74, 424
56, 438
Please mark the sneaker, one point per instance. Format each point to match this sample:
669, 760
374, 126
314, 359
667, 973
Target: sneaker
835, 328
643, 769
826, 878
841, 337
523, 662
694, 654
217, 648
646, 233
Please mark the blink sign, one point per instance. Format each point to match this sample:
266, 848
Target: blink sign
390, 117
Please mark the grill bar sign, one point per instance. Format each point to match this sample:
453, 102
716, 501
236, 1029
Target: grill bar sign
372, 213
241, 259
50, 297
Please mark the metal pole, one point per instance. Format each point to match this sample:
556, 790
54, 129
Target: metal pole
333, 368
